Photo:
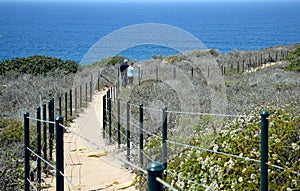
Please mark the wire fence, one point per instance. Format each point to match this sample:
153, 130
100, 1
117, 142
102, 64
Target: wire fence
128, 120
123, 124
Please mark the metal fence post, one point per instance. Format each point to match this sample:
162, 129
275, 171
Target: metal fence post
155, 169
243, 65
71, 102
26, 151
86, 94
174, 72
80, 95
59, 106
38, 129
119, 124
104, 115
109, 120
51, 129
91, 91
75, 101
59, 154
164, 136
139, 76
208, 71
45, 134
264, 151
141, 137
128, 130
66, 106
98, 81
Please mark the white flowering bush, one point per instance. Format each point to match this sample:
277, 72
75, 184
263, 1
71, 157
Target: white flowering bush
194, 169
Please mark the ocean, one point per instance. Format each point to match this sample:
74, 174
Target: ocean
68, 30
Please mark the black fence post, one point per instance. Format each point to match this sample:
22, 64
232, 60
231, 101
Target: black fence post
155, 170
141, 133
59, 154
45, 134
222, 69
75, 101
86, 94
112, 93
52, 110
164, 136
264, 151
109, 120
119, 124
39, 152
59, 106
243, 65
104, 116
128, 130
98, 81
192, 72
66, 106
91, 91
174, 72
249, 65
26, 152
71, 102
80, 95
51, 129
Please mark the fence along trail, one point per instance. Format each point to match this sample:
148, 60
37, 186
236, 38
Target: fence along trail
87, 166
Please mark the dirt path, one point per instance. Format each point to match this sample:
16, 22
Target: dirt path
92, 166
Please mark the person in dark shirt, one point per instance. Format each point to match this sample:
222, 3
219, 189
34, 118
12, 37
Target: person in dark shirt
123, 70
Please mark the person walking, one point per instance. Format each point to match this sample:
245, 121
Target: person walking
123, 70
130, 74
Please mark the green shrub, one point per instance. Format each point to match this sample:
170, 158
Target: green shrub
37, 65
11, 132
242, 138
111, 61
172, 59
294, 59
11, 148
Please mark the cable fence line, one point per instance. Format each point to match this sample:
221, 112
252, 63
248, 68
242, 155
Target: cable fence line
40, 120
165, 184
37, 154
49, 135
112, 122
69, 181
131, 123
131, 164
208, 114
284, 169
213, 151
40, 157
32, 185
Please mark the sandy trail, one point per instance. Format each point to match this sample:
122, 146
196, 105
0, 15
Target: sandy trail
94, 172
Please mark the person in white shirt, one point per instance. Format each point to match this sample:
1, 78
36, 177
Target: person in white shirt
130, 74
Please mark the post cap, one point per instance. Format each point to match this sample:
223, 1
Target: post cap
264, 113
59, 118
155, 166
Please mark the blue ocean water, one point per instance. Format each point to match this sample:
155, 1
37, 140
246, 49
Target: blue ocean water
69, 30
